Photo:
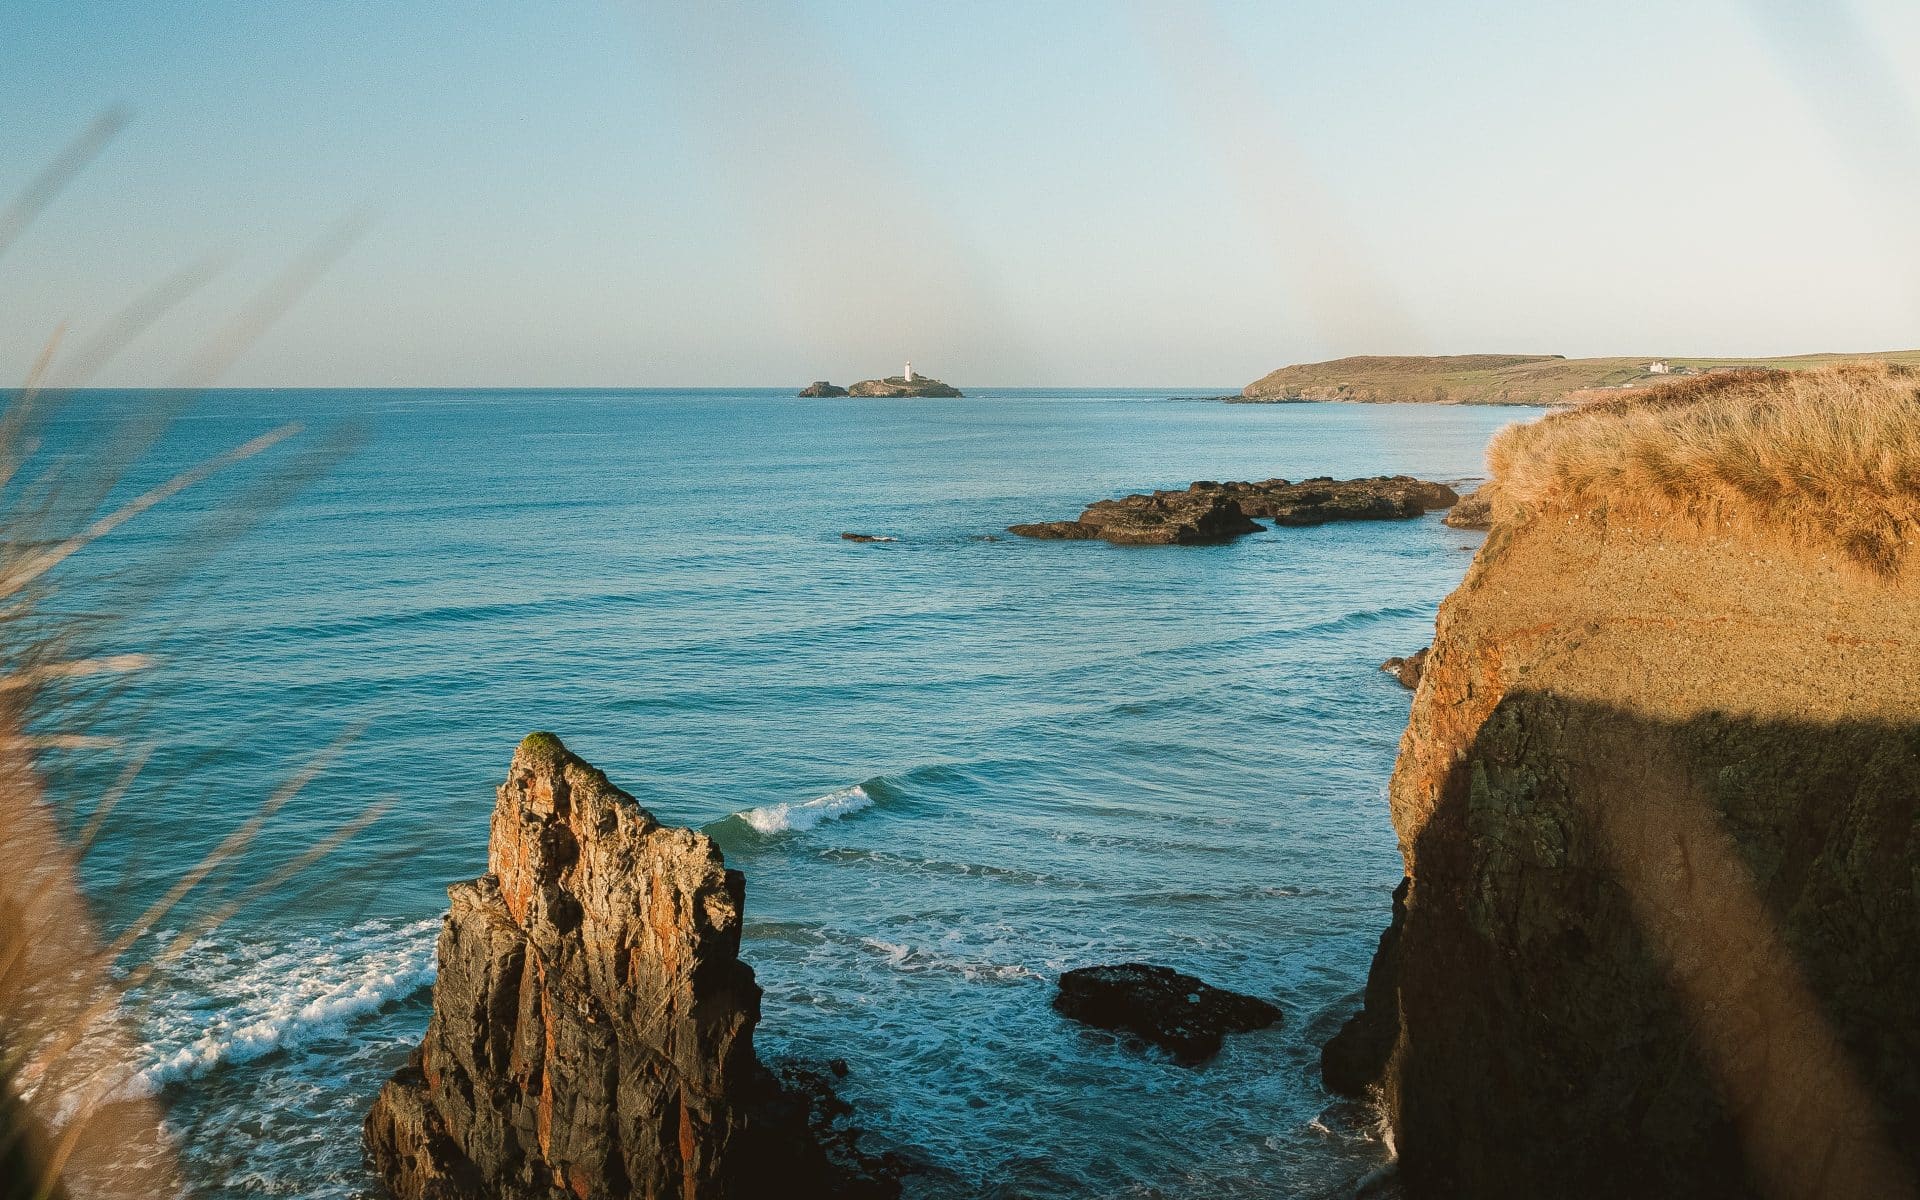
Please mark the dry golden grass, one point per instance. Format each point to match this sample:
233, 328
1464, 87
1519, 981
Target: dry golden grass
1828, 458
73, 1123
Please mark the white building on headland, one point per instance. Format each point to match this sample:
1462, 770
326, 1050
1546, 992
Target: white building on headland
909, 373
1659, 367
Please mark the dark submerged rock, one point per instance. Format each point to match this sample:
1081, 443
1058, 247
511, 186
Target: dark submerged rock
1060, 531
1180, 1014
1356, 1057
592, 1029
867, 537
821, 388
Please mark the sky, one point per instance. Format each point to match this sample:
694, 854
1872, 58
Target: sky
1010, 193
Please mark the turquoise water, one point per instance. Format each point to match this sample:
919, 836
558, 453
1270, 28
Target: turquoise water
997, 758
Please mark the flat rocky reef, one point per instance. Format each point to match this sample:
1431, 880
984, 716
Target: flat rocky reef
1208, 512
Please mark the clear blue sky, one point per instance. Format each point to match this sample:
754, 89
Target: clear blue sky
673, 192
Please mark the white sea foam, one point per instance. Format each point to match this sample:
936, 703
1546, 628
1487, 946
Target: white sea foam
787, 817
232, 1002
910, 960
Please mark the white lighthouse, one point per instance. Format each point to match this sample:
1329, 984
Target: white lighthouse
909, 373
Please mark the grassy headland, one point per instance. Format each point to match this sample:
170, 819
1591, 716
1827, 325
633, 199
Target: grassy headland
1504, 378
1827, 457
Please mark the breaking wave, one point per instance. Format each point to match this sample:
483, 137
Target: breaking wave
788, 817
231, 1002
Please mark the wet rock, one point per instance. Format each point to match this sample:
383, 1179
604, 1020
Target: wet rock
1474, 511
1207, 511
1318, 501
867, 537
821, 388
1180, 1014
1060, 531
1406, 670
592, 1029
1159, 519
1356, 1057
827, 1120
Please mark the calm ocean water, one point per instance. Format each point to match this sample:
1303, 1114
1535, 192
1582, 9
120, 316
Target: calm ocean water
950, 766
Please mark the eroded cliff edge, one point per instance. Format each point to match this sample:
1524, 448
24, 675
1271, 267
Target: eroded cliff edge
592, 1029
1659, 801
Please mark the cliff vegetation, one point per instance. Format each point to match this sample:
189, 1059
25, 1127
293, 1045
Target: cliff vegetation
1829, 457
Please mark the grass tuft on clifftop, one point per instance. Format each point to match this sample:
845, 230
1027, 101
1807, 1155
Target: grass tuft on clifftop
1829, 458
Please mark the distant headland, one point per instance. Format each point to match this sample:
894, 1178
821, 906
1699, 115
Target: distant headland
1502, 378
908, 383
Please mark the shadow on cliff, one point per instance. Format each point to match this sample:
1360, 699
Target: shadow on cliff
1647, 958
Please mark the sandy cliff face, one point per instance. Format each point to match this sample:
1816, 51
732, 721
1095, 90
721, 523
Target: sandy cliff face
1659, 801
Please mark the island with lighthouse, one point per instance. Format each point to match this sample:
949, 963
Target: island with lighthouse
907, 383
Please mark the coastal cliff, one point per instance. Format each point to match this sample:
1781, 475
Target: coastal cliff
1659, 803
592, 1030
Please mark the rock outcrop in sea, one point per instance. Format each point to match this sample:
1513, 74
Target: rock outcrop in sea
820, 389
1407, 670
1207, 512
1324, 499
1161, 519
1474, 511
900, 386
1659, 804
1176, 1012
592, 1029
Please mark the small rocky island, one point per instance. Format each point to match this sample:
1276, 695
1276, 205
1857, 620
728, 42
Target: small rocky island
1208, 512
908, 383
901, 385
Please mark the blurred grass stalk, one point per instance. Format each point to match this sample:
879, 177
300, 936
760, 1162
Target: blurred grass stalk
74, 1121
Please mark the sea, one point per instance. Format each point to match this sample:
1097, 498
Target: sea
952, 765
